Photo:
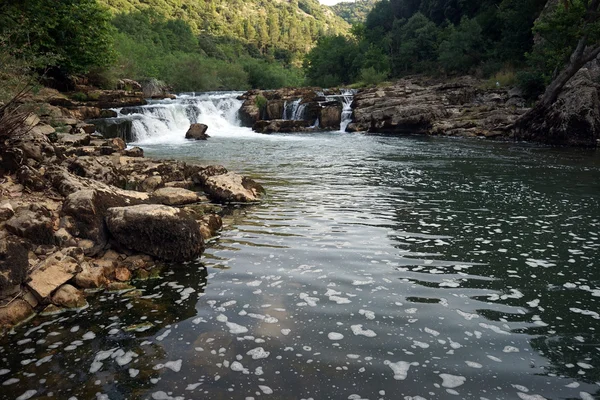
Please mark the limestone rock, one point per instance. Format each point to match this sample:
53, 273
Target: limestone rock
31, 179
574, 118
6, 211
282, 125
331, 117
98, 169
52, 273
122, 274
172, 196
90, 277
33, 223
197, 131
165, 232
15, 312
75, 140
200, 174
14, 263
230, 187
88, 208
134, 152
68, 296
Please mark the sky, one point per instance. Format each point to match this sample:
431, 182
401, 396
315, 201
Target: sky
332, 2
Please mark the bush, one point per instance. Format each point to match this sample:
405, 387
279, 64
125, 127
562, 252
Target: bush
532, 84
370, 76
261, 102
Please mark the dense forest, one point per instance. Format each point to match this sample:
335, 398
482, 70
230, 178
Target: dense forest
192, 45
354, 12
491, 38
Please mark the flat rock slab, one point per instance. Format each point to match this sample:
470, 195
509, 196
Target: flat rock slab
52, 273
233, 188
173, 196
165, 232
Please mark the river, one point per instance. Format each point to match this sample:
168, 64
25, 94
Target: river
376, 268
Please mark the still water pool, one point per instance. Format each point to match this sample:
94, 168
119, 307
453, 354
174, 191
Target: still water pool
377, 268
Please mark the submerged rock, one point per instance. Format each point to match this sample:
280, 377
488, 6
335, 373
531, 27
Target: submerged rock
161, 231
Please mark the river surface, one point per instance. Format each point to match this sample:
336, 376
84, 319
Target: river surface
377, 268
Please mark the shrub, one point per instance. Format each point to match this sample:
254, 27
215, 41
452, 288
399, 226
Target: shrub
370, 76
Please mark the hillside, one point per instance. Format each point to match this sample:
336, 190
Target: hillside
354, 12
293, 25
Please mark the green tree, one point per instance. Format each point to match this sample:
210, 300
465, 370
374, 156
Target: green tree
333, 61
464, 47
415, 43
77, 33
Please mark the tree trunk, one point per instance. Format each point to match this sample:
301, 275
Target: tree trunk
529, 122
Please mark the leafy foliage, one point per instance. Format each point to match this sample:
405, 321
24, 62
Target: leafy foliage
355, 12
441, 36
75, 35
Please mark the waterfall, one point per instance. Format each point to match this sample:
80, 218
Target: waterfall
347, 99
167, 121
293, 110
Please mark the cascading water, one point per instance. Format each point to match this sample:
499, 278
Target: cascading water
167, 121
347, 99
293, 110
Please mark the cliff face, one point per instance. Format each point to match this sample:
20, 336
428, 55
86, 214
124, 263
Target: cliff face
457, 108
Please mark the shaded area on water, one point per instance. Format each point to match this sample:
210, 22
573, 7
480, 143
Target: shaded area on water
378, 267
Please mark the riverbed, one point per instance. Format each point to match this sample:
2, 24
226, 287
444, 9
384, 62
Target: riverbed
376, 268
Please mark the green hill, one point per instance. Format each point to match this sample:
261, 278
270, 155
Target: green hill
293, 25
354, 12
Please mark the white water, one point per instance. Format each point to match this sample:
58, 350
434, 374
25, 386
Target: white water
167, 121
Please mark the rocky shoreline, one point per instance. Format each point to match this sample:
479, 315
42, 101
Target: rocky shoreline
81, 212
460, 107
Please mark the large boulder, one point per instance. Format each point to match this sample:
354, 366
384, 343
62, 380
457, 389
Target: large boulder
233, 188
33, 223
115, 128
87, 209
161, 231
573, 119
197, 132
14, 263
274, 109
331, 117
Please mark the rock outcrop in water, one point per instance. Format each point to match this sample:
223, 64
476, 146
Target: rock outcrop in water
457, 108
574, 118
292, 110
80, 211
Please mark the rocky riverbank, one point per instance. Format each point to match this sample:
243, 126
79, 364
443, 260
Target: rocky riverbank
459, 107
79, 211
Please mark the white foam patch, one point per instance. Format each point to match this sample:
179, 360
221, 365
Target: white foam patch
258, 353
285, 332
265, 389
335, 336
473, 364
400, 368
525, 396
452, 381
359, 331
